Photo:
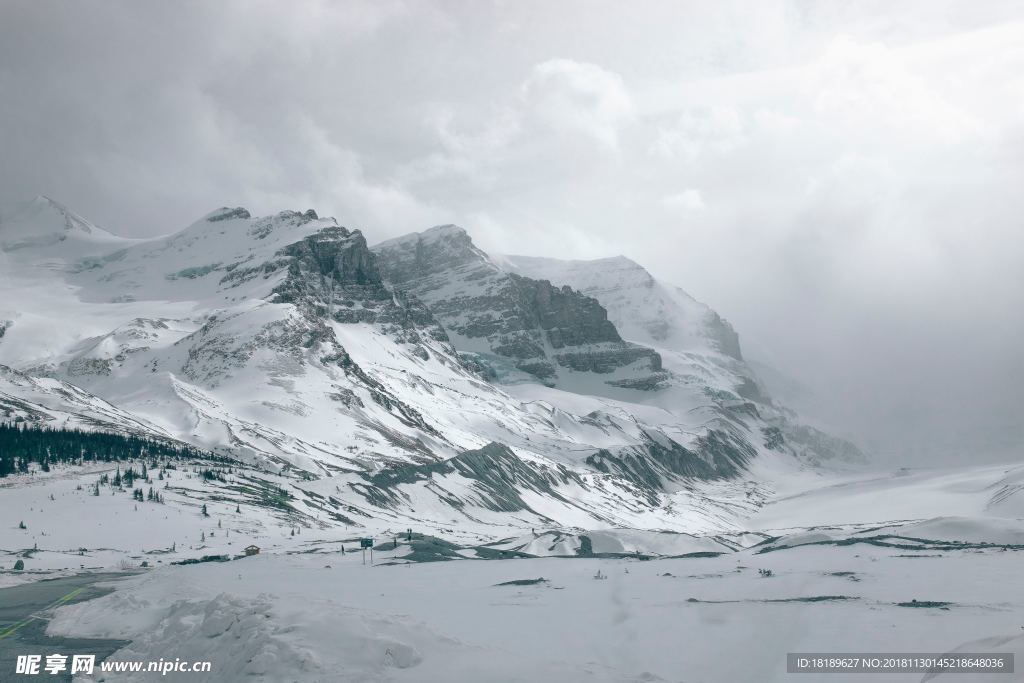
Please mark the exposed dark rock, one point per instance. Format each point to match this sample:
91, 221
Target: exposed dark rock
773, 438
523, 582
225, 213
332, 274
716, 454
723, 335
537, 326
497, 473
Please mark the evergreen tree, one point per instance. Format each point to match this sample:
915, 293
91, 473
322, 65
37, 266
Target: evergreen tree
22, 444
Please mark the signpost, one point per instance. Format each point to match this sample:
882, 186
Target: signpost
365, 543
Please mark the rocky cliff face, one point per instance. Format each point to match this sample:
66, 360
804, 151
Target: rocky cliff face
507, 320
333, 275
643, 309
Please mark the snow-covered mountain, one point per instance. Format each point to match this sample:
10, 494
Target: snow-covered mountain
420, 380
668, 349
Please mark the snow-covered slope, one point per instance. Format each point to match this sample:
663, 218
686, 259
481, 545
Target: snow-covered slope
42, 401
420, 382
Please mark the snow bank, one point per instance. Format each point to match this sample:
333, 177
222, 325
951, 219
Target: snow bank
652, 542
961, 529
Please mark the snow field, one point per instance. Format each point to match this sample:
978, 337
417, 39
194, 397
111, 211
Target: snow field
326, 617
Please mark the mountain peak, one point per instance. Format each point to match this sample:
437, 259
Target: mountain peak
40, 205
431, 251
225, 213
43, 200
45, 222
449, 230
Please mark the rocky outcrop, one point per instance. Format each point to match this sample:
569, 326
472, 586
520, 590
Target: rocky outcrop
332, 274
328, 275
722, 335
498, 479
642, 308
424, 256
717, 454
505, 319
226, 214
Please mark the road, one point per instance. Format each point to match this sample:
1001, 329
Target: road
25, 611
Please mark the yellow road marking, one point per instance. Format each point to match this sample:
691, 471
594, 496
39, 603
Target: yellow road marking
55, 603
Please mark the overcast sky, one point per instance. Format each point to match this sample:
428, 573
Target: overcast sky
843, 181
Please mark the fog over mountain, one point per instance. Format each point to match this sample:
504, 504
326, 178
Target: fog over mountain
838, 182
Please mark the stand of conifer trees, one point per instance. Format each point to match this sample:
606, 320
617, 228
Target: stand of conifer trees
23, 444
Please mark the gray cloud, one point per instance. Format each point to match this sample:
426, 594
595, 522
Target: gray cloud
839, 179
